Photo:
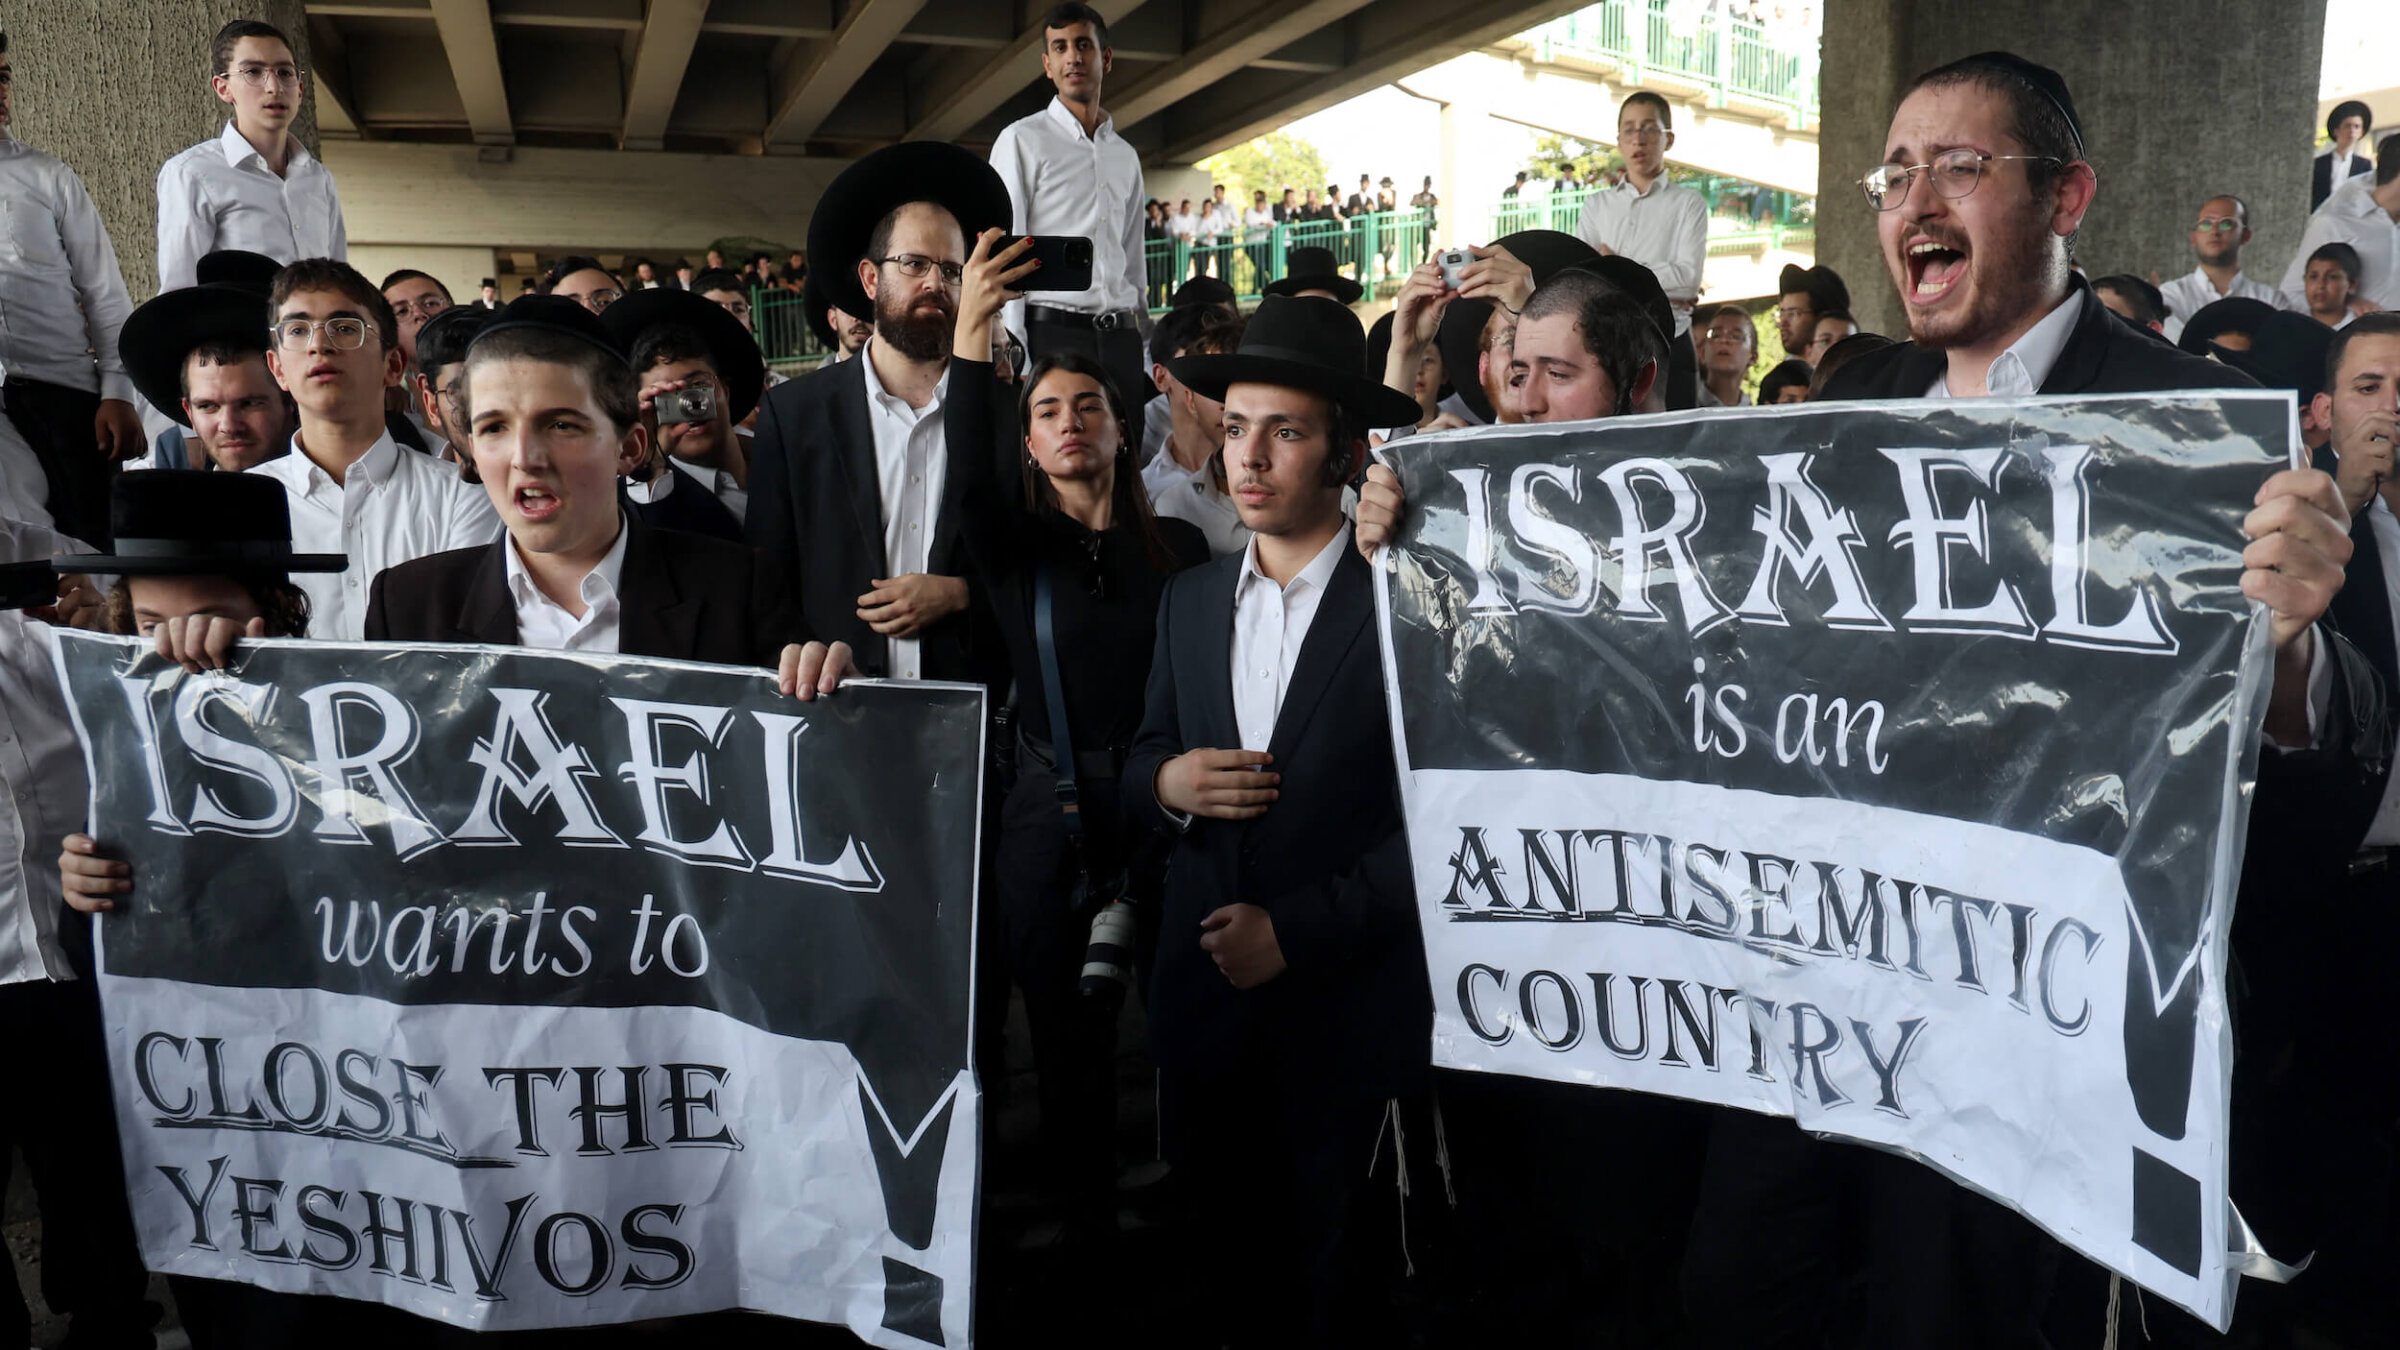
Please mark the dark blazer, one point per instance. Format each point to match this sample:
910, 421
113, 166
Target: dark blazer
816, 515
688, 507
2320, 181
1328, 860
2103, 356
680, 596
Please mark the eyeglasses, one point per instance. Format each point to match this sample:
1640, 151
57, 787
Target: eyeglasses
1954, 173
261, 76
1727, 334
2220, 224
917, 267
739, 309
598, 300
1644, 134
423, 309
343, 335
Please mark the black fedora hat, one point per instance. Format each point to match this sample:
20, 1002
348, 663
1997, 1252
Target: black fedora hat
191, 522
876, 185
2233, 314
158, 337
1639, 283
1314, 269
731, 348
2287, 351
1302, 342
237, 267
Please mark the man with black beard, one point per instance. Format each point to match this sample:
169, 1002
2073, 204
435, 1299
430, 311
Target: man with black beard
855, 489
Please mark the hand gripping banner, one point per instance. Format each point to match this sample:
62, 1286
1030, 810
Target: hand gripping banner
1883, 766
525, 990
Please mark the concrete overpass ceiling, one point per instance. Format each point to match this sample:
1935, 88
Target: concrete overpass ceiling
840, 77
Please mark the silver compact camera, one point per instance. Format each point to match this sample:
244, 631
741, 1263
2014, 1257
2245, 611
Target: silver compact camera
1452, 262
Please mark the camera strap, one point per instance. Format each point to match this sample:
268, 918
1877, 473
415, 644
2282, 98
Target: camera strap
1054, 693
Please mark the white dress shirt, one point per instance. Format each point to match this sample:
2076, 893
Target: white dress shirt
2187, 294
2019, 371
43, 792
392, 506
1062, 181
2351, 216
1260, 221
221, 194
62, 298
543, 622
1270, 625
1183, 225
1664, 229
719, 484
1709, 399
1190, 494
912, 464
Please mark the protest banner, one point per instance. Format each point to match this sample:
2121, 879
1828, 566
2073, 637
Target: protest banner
1884, 766
519, 989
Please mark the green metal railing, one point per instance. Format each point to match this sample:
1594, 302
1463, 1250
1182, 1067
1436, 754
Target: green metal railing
1730, 57
1377, 250
781, 323
1736, 208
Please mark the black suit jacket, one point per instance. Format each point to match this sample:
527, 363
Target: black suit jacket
680, 596
2103, 355
816, 515
2321, 184
1328, 861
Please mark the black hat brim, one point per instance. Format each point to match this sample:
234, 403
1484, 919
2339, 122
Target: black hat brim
912, 171
731, 348
1344, 288
1374, 403
812, 302
158, 337
1461, 342
28, 585
199, 562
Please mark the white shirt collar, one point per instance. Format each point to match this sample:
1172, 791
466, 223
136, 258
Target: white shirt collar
1625, 185
1318, 572
598, 587
237, 148
878, 396
1065, 117
2029, 359
374, 467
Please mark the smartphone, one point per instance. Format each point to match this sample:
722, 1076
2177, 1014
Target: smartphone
1066, 263
1452, 262
697, 404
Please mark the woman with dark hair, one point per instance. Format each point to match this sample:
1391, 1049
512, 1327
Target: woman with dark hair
1072, 576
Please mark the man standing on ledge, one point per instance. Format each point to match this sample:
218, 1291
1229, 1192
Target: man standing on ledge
255, 187
1069, 173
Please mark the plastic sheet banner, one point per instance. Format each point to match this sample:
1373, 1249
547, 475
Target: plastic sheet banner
518, 990
1884, 766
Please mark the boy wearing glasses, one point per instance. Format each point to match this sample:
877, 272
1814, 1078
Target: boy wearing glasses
336, 350
255, 187
2217, 239
1656, 223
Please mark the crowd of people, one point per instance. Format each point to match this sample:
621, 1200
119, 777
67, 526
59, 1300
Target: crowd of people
1150, 542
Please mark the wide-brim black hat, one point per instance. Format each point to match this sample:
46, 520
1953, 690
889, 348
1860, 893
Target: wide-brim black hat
1823, 286
1639, 283
2287, 351
731, 348
1314, 269
814, 304
158, 337
1302, 342
1461, 342
192, 522
2233, 314
236, 267
870, 189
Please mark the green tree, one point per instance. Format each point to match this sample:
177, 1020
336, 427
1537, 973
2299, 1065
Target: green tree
1270, 164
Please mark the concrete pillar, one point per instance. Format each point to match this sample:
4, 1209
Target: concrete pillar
2179, 103
116, 89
